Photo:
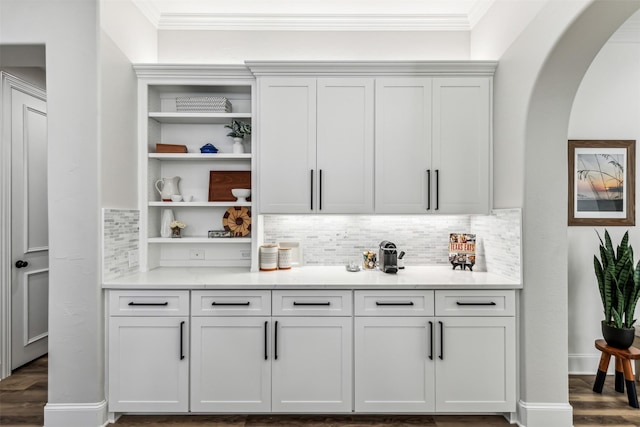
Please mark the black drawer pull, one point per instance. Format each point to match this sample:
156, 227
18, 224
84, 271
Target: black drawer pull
394, 303
266, 355
230, 303
142, 304
275, 341
430, 340
312, 303
441, 356
182, 340
475, 303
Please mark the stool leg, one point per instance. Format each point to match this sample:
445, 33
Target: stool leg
602, 372
619, 376
631, 385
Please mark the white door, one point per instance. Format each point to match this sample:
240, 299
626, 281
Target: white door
29, 227
311, 364
394, 359
403, 145
475, 367
230, 364
461, 145
148, 364
345, 145
287, 145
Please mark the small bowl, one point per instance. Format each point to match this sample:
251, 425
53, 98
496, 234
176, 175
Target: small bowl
241, 194
176, 198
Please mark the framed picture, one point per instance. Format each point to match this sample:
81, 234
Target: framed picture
602, 182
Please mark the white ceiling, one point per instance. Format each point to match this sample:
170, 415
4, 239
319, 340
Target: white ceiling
351, 15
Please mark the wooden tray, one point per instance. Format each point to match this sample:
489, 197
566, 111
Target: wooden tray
221, 183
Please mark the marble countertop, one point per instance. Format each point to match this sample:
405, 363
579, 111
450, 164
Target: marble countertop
311, 277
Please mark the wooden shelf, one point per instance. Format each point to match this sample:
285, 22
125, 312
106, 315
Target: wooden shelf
199, 204
197, 118
188, 240
199, 156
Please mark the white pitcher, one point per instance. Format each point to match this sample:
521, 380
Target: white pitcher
168, 187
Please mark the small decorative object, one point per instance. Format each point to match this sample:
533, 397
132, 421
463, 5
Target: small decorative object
462, 250
208, 149
602, 182
209, 104
619, 286
269, 257
353, 266
214, 234
176, 198
167, 187
176, 229
284, 258
241, 194
237, 220
369, 260
167, 219
238, 131
171, 148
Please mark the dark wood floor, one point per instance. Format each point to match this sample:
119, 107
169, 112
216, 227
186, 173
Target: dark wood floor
24, 394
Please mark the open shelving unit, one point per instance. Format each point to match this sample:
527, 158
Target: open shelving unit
160, 122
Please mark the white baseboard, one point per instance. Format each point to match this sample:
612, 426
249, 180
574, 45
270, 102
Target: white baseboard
76, 414
545, 414
587, 364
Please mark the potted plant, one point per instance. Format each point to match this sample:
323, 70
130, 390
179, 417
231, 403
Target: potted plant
619, 285
238, 131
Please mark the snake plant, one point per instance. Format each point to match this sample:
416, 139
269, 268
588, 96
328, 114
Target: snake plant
618, 281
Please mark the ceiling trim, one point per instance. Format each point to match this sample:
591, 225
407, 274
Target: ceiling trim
478, 10
149, 10
313, 22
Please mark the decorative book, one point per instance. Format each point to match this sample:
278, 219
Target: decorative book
462, 250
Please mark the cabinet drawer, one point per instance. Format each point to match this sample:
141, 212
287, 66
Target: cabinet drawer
475, 303
394, 303
231, 303
149, 303
312, 303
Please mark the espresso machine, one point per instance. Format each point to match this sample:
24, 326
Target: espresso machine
388, 257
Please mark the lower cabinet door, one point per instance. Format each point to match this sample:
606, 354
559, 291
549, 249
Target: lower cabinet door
230, 364
148, 364
312, 364
475, 369
394, 359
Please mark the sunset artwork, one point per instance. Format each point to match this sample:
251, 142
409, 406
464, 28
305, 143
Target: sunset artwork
600, 181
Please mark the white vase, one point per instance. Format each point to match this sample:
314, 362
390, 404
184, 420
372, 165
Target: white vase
238, 148
167, 218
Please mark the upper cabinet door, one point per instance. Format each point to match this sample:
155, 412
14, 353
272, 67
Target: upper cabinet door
403, 145
461, 145
287, 145
345, 145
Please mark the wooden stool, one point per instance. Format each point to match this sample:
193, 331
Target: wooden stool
624, 373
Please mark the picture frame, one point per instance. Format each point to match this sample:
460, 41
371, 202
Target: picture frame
601, 182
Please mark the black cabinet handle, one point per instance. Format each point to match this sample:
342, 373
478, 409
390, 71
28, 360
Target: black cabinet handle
312, 303
320, 190
182, 340
266, 355
428, 189
311, 189
21, 264
150, 304
437, 189
394, 303
475, 303
441, 341
275, 341
430, 340
230, 303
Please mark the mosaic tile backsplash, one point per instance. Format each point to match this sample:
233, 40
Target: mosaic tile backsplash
121, 228
336, 239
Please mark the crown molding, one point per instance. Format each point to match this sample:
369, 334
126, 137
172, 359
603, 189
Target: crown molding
478, 10
149, 10
194, 72
313, 22
372, 68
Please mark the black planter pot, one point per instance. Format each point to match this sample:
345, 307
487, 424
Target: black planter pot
617, 337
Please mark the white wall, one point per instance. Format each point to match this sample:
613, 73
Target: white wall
130, 30
69, 32
234, 47
607, 106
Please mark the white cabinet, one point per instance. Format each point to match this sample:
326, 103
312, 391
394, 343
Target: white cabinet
230, 357
316, 145
433, 145
148, 351
460, 360
161, 122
